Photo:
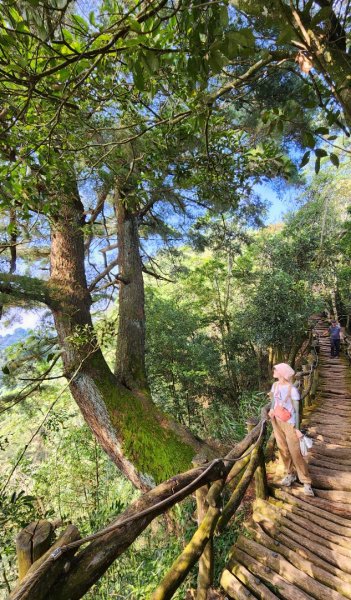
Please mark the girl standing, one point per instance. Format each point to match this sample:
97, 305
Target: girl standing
284, 414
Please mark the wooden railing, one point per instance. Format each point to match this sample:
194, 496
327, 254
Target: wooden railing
347, 342
306, 379
55, 570
66, 570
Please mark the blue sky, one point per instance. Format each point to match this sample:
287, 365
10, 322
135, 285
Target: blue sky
277, 209
281, 200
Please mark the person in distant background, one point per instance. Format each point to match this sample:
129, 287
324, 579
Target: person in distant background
334, 332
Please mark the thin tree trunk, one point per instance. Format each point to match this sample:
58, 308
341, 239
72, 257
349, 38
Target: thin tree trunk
130, 356
295, 347
333, 301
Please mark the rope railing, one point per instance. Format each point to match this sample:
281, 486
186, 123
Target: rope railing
219, 486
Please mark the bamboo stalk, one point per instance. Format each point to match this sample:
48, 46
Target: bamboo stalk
205, 575
239, 492
191, 553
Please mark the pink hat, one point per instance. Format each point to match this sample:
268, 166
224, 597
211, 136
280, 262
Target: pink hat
284, 370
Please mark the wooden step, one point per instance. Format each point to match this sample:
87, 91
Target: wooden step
285, 588
285, 569
304, 564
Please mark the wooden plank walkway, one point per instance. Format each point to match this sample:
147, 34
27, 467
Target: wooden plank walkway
297, 547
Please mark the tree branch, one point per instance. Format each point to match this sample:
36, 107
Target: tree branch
108, 248
156, 275
143, 211
113, 264
34, 78
22, 395
25, 288
245, 77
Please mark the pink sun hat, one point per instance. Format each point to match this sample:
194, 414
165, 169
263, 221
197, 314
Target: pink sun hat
284, 370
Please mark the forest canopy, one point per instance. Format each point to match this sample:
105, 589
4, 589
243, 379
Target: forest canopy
136, 139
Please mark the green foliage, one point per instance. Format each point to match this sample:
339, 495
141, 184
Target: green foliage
68, 476
138, 571
183, 363
64, 473
177, 111
280, 309
17, 509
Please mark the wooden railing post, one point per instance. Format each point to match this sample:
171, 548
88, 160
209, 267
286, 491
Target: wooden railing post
239, 492
261, 487
187, 559
314, 384
31, 543
305, 384
205, 574
206, 564
32, 587
299, 382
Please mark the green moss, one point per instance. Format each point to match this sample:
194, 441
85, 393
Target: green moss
154, 451
139, 376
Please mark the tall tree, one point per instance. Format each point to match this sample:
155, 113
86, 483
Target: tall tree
118, 408
93, 123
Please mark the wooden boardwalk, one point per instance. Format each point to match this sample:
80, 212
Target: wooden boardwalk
296, 547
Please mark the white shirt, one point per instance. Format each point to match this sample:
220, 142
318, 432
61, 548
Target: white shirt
280, 396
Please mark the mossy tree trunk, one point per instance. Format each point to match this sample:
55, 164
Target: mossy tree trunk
146, 445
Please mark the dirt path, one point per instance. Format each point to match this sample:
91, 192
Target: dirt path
297, 547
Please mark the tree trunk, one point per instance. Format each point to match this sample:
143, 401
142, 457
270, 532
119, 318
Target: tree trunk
294, 349
130, 356
333, 301
145, 445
